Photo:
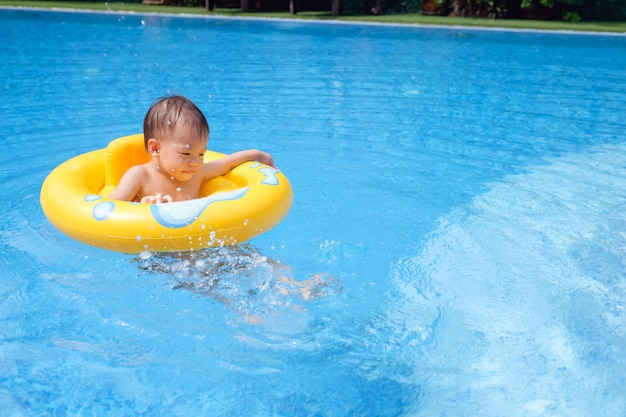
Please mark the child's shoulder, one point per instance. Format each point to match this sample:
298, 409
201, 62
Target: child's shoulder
139, 171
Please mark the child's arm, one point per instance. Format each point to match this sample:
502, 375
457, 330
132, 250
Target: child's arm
129, 185
223, 165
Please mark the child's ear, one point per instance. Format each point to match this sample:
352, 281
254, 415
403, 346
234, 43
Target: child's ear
153, 147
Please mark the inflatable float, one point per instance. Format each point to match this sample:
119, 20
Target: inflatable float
249, 200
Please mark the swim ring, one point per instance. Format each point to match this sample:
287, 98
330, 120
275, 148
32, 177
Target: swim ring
247, 201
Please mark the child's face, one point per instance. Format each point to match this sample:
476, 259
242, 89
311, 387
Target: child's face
182, 154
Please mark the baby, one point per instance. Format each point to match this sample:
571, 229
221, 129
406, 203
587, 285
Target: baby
176, 135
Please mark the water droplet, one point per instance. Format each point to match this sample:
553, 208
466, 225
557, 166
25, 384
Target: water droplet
138, 238
145, 255
178, 189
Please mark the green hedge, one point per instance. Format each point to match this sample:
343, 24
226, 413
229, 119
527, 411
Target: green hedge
571, 10
604, 10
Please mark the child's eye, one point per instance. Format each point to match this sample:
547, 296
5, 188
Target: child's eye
201, 155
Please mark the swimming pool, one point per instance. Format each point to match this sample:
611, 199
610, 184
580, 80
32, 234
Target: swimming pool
459, 195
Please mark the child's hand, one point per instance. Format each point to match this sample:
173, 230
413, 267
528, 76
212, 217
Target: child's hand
157, 199
266, 158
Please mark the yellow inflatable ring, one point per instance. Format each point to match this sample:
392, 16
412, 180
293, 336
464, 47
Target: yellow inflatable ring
247, 201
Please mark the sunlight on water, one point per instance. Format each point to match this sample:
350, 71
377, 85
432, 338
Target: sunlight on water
520, 298
457, 243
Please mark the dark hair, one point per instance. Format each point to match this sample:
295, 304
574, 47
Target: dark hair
165, 113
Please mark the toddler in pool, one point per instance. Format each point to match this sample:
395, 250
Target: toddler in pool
176, 135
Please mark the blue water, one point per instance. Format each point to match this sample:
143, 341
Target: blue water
459, 203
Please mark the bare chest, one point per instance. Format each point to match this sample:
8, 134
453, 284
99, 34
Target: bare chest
179, 191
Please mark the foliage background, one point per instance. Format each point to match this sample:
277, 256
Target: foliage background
569, 10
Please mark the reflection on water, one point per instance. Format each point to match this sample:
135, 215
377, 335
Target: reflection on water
520, 298
467, 192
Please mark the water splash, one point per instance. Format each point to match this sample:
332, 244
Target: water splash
241, 278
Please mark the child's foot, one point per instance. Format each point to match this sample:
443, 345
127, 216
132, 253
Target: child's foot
312, 288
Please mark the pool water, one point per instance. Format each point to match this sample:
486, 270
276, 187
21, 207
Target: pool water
457, 244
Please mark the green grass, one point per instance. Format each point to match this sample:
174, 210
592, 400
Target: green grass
397, 19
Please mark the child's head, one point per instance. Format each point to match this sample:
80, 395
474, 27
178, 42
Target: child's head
168, 112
